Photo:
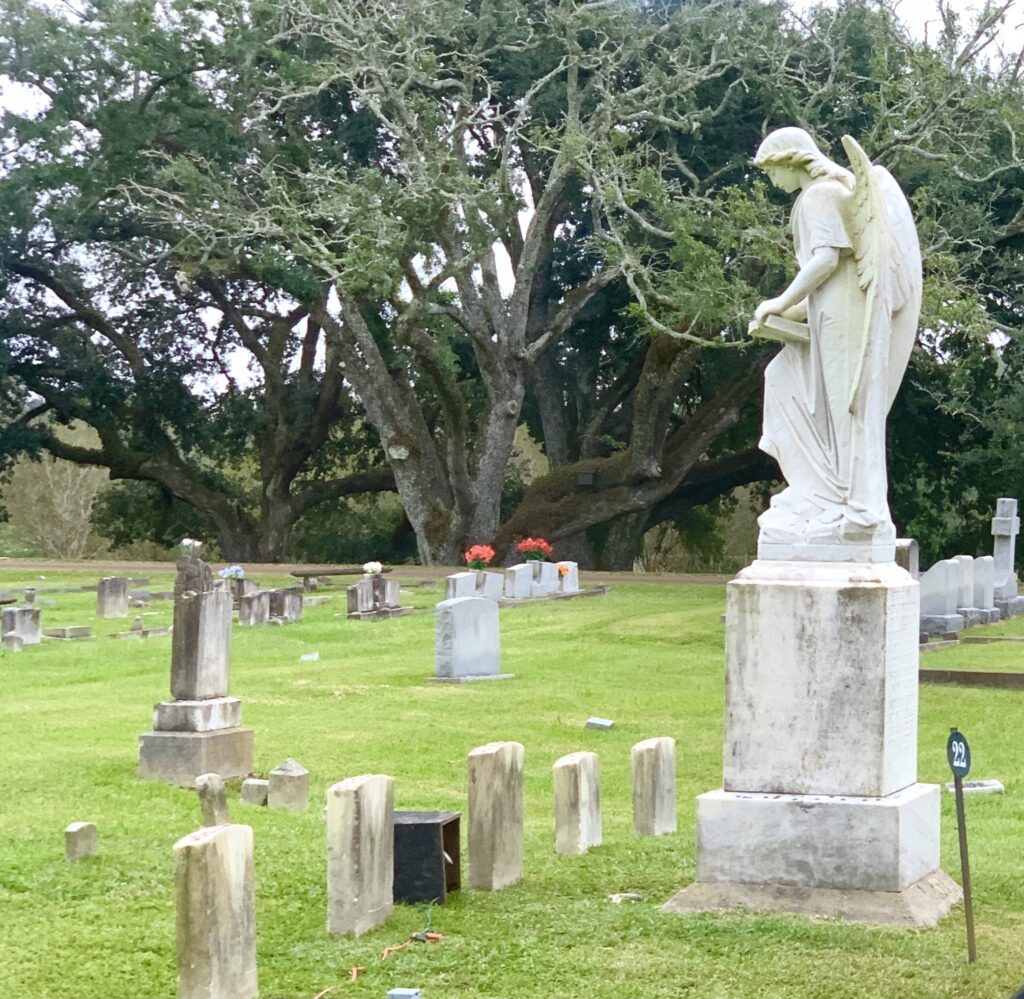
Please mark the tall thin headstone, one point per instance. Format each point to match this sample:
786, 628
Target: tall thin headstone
360, 853
577, 782
495, 815
199, 731
215, 893
654, 786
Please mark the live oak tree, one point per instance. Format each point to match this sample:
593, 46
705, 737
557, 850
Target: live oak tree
439, 220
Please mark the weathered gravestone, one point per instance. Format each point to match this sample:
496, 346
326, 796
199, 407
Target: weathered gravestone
965, 595
375, 596
360, 853
254, 791
467, 645
495, 815
908, 556
24, 623
518, 581
288, 787
577, 783
1005, 528
286, 604
200, 730
80, 840
654, 786
112, 597
940, 594
253, 609
215, 896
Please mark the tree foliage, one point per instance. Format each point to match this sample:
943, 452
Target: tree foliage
417, 226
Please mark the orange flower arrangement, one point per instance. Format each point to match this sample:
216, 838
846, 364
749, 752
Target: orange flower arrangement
534, 549
479, 556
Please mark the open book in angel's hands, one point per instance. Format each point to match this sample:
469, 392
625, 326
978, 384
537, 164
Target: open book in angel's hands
780, 329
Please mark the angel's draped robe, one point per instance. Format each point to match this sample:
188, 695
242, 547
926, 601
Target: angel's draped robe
833, 460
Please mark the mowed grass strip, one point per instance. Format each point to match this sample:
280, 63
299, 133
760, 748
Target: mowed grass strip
649, 657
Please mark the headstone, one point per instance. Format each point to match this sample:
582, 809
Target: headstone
940, 590
360, 853
254, 791
402, 993
654, 787
286, 604
392, 594
984, 592
496, 815
24, 622
600, 724
289, 787
360, 597
112, 597
490, 585
467, 642
80, 840
908, 555
253, 609
979, 786
577, 803
215, 894
30, 595
199, 731
545, 579
965, 595
213, 800
518, 581
1005, 528
568, 577
460, 584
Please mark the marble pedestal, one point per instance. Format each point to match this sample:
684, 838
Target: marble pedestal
820, 764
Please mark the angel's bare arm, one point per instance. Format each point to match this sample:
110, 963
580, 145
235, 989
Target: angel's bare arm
823, 262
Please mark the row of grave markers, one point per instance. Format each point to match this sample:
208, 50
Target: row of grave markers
215, 886
964, 591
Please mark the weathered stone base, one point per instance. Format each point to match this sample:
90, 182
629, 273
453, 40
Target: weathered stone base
1010, 606
470, 679
941, 624
923, 903
819, 841
180, 757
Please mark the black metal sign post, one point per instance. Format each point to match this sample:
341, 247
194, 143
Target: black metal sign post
959, 755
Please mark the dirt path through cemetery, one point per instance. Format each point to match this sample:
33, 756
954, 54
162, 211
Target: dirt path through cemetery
403, 572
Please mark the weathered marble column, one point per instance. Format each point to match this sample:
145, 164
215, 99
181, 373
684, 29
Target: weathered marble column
112, 597
360, 853
495, 815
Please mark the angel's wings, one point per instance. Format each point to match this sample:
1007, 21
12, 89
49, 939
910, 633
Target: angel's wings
888, 257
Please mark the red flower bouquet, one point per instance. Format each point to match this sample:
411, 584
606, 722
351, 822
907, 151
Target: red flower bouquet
479, 556
534, 549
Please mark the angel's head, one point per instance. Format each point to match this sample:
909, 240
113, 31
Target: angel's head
790, 155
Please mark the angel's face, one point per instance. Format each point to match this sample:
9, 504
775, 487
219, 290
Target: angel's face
786, 178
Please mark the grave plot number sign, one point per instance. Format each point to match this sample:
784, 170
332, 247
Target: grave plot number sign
958, 752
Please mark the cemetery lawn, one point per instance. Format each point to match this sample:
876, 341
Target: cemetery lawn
649, 657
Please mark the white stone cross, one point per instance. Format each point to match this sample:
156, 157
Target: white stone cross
1005, 528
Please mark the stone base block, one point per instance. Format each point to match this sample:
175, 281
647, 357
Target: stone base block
180, 757
1010, 606
470, 679
941, 624
819, 841
988, 615
923, 903
197, 716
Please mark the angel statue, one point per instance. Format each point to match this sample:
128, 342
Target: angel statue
848, 321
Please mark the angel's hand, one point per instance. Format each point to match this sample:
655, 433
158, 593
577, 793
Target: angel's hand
797, 312
769, 307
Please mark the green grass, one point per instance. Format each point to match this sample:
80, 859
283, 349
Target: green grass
649, 657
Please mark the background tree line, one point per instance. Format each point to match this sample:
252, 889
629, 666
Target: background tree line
286, 260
